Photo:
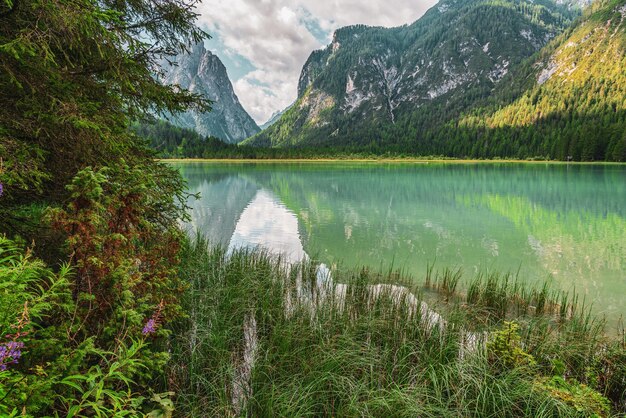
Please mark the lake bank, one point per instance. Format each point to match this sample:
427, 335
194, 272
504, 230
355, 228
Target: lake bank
563, 223
379, 160
264, 339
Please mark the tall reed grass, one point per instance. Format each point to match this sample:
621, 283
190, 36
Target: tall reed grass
265, 339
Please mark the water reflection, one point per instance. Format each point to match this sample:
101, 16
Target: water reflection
564, 223
223, 200
267, 223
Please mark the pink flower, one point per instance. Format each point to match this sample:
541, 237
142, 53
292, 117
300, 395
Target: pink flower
153, 323
150, 327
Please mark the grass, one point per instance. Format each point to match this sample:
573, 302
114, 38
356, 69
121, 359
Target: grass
349, 351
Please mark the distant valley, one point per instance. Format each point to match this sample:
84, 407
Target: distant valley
470, 79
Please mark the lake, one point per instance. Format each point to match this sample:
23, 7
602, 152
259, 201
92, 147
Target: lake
564, 223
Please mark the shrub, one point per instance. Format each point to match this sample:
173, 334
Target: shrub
585, 400
123, 240
505, 348
44, 369
76, 340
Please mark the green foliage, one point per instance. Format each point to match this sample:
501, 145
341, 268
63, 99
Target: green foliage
73, 76
586, 401
607, 373
26, 281
83, 349
107, 389
121, 230
170, 141
30, 295
505, 348
60, 371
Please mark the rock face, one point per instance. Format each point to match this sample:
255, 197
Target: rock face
372, 77
202, 72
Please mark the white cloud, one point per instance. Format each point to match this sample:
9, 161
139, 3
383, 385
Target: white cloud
273, 36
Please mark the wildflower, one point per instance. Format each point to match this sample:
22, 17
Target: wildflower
153, 323
10, 352
1, 189
150, 327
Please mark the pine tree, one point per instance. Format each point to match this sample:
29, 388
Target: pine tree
73, 73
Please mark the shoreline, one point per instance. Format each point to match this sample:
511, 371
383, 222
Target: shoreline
378, 161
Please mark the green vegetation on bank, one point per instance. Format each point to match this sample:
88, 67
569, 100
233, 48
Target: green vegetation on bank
259, 337
173, 142
264, 339
89, 234
75, 331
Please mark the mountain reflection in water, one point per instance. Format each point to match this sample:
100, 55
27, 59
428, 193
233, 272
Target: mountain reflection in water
562, 223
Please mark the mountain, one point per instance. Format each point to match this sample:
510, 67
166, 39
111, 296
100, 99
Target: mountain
202, 72
375, 86
568, 102
275, 117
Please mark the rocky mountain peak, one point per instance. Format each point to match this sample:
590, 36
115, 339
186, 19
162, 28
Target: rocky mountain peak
458, 52
200, 71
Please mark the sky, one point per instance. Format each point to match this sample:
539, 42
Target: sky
265, 43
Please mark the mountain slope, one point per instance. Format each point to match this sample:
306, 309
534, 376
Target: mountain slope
371, 80
572, 102
202, 72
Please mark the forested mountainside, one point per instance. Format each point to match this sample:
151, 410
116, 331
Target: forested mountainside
572, 102
201, 72
370, 78
412, 89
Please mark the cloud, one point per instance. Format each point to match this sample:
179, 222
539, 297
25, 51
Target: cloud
276, 37
262, 92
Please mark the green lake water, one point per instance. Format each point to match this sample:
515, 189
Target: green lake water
562, 223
